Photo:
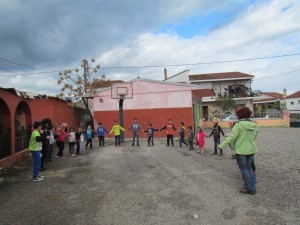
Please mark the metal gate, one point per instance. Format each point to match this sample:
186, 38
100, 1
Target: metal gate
22, 138
5, 146
294, 118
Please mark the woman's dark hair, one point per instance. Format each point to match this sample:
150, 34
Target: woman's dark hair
37, 124
190, 127
243, 113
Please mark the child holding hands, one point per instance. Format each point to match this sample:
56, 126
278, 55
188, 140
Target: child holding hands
116, 129
200, 142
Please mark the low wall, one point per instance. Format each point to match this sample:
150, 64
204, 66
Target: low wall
260, 123
11, 160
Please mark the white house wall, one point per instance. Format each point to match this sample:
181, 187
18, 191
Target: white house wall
180, 78
147, 95
295, 106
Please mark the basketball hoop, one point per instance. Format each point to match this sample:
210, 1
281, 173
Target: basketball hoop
122, 91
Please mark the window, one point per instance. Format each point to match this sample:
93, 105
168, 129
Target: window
292, 103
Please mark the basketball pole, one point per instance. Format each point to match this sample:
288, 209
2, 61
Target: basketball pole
121, 100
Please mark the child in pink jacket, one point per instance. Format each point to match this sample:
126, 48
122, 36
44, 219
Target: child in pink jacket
200, 142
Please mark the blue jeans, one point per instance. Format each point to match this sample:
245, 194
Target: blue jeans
217, 141
36, 156
181, 140
245, 164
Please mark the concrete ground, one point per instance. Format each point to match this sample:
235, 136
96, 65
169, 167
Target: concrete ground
158, 185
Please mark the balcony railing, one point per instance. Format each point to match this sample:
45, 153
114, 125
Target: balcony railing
239, 92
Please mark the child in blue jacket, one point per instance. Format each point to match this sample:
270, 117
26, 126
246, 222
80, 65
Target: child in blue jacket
100, 131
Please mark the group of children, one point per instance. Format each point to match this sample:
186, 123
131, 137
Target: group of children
45, 135
170, 131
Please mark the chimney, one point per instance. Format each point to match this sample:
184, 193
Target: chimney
284, 93
165, 73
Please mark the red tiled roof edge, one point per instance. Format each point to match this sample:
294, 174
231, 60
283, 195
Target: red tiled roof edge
294, 95
274, 94
225, 75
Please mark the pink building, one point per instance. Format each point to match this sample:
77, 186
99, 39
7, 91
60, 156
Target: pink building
153, 102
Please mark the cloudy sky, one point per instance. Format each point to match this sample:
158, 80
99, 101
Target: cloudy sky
38, 38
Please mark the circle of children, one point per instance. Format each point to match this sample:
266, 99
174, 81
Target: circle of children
45, 135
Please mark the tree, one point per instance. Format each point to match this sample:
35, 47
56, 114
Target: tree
225, 103
78, 82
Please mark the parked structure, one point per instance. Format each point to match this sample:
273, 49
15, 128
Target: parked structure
18, 110
153, 102
292, 103
269, 104
237, 85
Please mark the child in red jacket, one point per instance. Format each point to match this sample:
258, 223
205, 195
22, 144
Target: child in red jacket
200, 142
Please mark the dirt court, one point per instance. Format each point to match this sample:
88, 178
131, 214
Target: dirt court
158, 185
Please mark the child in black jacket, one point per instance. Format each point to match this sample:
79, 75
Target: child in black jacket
150, 132
216, 133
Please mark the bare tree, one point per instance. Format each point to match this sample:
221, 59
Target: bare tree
77, 82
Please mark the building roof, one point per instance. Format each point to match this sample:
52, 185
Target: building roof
206, 92
273, 97
28, 95
265, 100
195, 86
220, 76
294, 95
273, 94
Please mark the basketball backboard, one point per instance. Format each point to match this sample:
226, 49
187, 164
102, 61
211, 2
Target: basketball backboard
122, 91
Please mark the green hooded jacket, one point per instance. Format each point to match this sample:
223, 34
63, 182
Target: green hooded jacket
242, 136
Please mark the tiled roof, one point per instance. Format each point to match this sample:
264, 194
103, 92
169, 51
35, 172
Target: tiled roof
273, 94
27, 95
205, 92
218, 76
265, 100
294, 95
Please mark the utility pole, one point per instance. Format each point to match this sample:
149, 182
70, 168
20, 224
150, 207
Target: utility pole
121, 100
85, 71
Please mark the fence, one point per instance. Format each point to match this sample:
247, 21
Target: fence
268, 115
5, 145
295, 118
23, 135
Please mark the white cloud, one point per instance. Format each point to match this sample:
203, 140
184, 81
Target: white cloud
264, 30
123, 34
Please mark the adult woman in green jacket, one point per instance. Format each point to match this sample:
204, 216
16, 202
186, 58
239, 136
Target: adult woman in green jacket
243, 136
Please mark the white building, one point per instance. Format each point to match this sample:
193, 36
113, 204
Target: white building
234, 84
293, 101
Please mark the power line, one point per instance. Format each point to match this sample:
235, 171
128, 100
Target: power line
280, 74
6, 70
13, 62
159, 66
201, 63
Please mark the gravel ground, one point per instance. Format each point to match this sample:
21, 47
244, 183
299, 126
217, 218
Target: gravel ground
158, 185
